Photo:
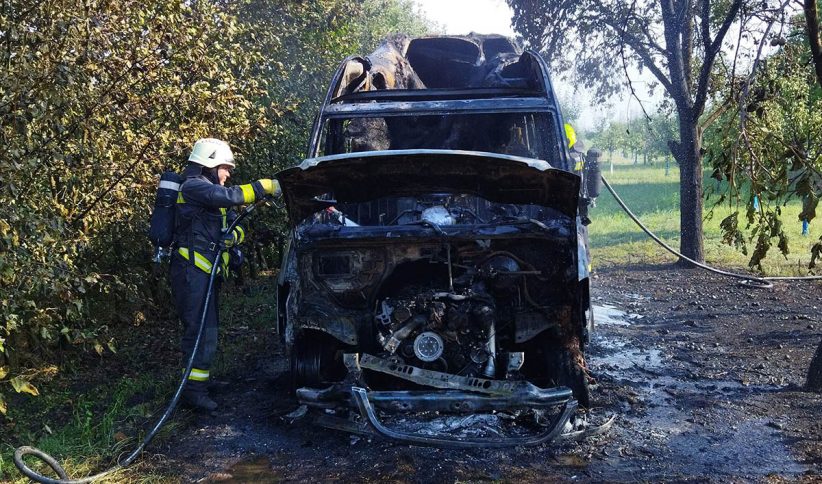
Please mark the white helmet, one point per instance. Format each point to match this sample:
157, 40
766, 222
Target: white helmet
211, 152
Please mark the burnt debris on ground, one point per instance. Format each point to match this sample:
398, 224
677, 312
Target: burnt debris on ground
705, 376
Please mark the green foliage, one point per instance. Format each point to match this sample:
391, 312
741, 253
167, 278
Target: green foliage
653, 196
571, 109
778, 156
679, 43
86, 431
608, 137
391, 17
98, 98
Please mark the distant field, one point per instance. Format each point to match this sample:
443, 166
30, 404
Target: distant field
654, 197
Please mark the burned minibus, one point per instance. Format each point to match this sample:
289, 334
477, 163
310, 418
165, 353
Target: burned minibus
437, 263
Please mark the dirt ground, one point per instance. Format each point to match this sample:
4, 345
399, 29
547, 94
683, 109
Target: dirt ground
703, 374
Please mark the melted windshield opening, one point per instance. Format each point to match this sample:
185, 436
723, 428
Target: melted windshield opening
530, 135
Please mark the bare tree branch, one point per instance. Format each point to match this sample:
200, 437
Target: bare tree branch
743, 101
711, 53
638, 47
716, 113
625, 62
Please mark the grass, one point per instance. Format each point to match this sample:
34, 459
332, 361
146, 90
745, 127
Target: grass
98, 412
654, 198
247, 315
91, 429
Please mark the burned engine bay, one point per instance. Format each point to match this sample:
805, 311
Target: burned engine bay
427, 281
437, 291
433, 210
457, 328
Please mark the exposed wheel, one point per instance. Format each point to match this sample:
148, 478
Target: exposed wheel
315, 361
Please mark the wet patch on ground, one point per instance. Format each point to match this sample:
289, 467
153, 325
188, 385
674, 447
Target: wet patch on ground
255, 469
704, 376
606, 314
694, 428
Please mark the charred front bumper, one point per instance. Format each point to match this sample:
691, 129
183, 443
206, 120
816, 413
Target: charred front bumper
452, 394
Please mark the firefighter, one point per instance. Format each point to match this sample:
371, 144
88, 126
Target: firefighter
576, 155
203, 213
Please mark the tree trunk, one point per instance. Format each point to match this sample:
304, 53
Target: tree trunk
690, 189
812, 25
814, 383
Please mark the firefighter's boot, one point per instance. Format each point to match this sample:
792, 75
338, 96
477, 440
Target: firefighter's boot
195, 396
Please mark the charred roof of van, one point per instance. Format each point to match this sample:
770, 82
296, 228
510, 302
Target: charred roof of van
441, 62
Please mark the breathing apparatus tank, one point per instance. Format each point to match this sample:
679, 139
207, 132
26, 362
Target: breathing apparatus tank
593, 173
161, 229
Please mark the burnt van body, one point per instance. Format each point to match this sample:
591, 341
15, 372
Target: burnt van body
437, 262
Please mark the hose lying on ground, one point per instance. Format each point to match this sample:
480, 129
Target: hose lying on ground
760, 281
22, 452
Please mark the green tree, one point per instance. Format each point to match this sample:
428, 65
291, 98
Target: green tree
648, 137
776, 155
94, 99
98, 98
571, 109
677, 41
661, 128
634, 139
609, 136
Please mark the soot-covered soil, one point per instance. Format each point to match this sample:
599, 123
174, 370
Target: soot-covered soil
703, 374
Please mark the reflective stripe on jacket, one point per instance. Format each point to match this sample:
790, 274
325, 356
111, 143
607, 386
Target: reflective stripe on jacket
203, 212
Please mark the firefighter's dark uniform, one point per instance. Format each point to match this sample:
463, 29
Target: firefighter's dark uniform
203, 212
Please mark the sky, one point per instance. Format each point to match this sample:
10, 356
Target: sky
465, 16
494, 17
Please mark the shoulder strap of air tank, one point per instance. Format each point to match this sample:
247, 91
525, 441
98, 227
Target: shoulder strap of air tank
190, 220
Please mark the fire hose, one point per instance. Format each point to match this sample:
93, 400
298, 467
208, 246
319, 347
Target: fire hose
24, 451
763, 282
21, 452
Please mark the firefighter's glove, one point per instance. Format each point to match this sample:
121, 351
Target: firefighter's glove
228, 240
235, 237
271, 187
